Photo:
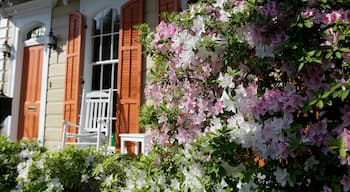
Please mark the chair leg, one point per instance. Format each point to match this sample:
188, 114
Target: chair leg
122, 146
64, 135
98, 138
137, 148
143, 146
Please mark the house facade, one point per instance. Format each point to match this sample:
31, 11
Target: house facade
60, 47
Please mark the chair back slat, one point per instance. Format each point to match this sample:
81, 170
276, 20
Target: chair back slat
97, 108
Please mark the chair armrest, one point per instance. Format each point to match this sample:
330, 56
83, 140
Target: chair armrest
69, 123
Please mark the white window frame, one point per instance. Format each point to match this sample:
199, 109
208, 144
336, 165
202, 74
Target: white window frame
90, 8
111, 61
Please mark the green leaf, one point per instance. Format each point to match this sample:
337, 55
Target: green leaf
345, 94
300, 67
335, 87
325, 95
317, 61
311, 53
320, 104
318, 53
342, 151
338, 55
308, 24
344, 49
329, 55
313, 102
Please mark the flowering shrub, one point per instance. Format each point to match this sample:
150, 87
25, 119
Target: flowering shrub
71, 169
11, 154
257, 89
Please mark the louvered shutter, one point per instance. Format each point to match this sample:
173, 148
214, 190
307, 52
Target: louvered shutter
73, 67
129, 68
167, 6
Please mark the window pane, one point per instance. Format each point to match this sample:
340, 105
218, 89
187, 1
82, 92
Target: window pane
115, 71
96, 46
106, 48
36, 32
107, 76
107, 21
115, 46
115, 20
96, 76
97, 24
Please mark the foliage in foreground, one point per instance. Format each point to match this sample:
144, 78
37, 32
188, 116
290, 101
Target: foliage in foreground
75, 170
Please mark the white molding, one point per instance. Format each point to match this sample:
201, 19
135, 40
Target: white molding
65, 2
28, 7
40, 13
35, 41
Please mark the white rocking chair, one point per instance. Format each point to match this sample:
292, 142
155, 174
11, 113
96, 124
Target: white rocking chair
94, 123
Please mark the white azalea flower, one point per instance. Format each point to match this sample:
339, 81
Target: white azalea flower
310, 163
219, 3
84, 178
109, 180
54, 185
198, 25
88, 160
175, 184
226, 81
229, 103
263, 50
23, 169
246, 187
40, 164
215, 124
25, 154
281, 176
191, 178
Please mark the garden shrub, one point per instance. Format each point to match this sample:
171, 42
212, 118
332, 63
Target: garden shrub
12, 154
257, 91
73, 170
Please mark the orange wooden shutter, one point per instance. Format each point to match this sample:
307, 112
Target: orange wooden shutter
167, 6
73, 67
129, 68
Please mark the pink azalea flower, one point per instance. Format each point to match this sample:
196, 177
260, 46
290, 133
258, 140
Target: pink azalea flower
326, 189
346, 139
218, 107
331, 18
308, 13
345, 182
345, 116
269, 9
345, 16
318, 133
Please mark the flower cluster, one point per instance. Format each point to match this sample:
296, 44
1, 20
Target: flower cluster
261, 85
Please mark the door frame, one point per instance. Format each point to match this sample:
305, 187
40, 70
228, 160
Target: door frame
26, 65
22, 23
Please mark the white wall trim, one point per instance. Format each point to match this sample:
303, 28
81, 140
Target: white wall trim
28, 7
23, 22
